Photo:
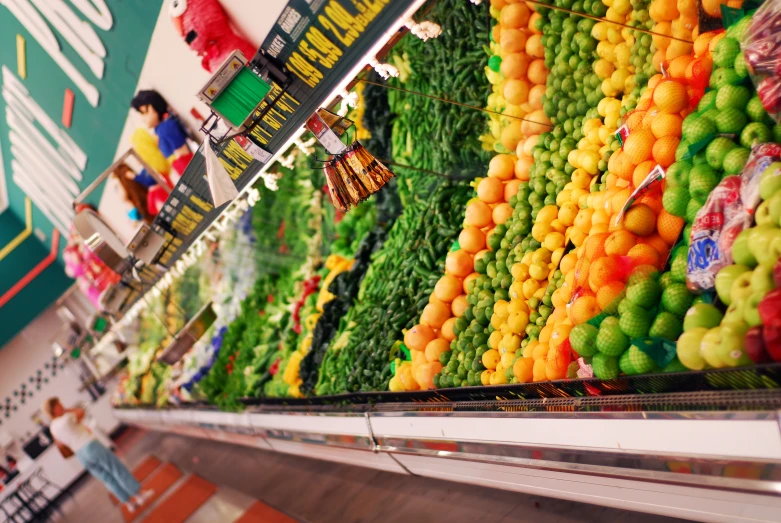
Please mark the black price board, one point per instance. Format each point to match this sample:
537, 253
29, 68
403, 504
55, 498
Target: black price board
319, 42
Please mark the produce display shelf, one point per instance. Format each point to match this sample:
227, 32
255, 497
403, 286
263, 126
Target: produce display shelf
707, 456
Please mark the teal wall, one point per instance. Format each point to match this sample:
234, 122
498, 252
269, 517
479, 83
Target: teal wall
96, 130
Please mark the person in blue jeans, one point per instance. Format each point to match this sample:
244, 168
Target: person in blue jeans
72, 436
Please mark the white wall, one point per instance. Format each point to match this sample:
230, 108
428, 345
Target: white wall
175, 71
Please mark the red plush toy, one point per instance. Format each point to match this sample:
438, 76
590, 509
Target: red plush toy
205, 27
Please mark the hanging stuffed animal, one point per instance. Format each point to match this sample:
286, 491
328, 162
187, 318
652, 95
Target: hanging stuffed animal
205, 27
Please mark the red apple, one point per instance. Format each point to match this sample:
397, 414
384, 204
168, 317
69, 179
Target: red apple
770, 308
769, 92
772, 338
755, 345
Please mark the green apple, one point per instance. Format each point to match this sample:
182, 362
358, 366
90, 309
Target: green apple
706, 102
762, 279
750, 312
691, 119
735, 160
740, 251
777, 133
701, 129
724, 280
762, 215
755, 133
740, 66
768, 246
774, 208
688, 348
756, 111
735, 311
732, 349
725, 52
678, 174
717, 150
770, 181
733, 96
702, 315
730, 120
709, 347
741, 288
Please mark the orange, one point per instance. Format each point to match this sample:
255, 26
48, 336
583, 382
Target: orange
516, 92
619, 243
436, 347
556, 363
533, 22
512, 134
490, 190
497, 33
657, 242
618, 201
640, 219
701, 43
603, 270
447, 330
418, 337
634, 120
435, 314
583, 309
511, 189
653, 199
466, 281
515, 16
522, 166
664, 149
609, 293
502, 166
459, 263
502, 213
642, 254
654, 80
661, 31
534, 47
458, 306
513, 41
641, 172
478, 214
537, 72
666, 125
643, 104
581, 272
535, 96
539, 372
638, 145
523, 370
677, 67
670, 97
624, 167
447, 288
595, 246
650, 116
660, 10
713, 7
472, 240
612, 163
514, 66
669, 227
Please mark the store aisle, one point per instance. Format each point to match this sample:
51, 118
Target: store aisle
312, 491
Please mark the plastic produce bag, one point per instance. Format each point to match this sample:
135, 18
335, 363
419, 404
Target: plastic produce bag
762, 50
220, 183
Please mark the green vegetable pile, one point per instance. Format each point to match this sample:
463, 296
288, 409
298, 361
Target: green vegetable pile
394, 291
433, 135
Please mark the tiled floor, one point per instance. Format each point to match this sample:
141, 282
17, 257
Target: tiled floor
322, 492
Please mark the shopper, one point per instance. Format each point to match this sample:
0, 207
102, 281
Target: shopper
72, 436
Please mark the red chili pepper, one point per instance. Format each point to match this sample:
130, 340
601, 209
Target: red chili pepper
274, 367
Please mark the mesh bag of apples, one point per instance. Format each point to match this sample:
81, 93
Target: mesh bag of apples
762, 49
